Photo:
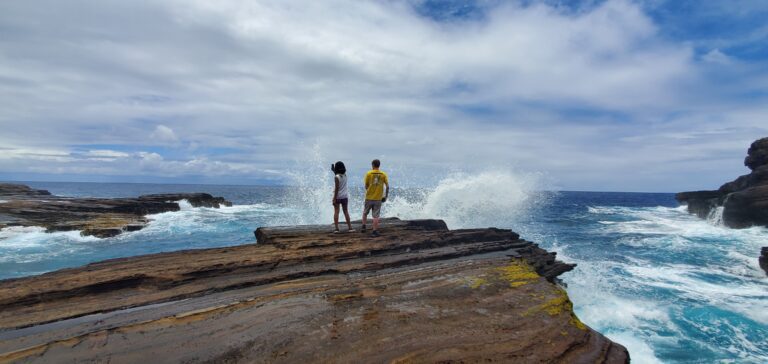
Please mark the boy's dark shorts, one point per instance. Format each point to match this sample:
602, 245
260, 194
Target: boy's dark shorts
341, 201
374, 205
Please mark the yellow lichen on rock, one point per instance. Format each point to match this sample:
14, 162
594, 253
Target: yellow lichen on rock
477, 282
518, 273
576, 322
556, 306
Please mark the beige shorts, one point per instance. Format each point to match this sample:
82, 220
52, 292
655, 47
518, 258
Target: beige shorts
374, 205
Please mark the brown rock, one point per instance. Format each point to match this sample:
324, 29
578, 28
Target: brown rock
419, 293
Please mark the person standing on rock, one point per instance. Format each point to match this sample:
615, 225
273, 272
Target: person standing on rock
376, 192
340, 195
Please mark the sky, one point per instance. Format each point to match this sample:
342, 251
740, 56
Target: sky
614, 95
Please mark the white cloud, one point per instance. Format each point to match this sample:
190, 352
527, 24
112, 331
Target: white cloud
105, 154
36, 154
164, 134
716, 56
248, 85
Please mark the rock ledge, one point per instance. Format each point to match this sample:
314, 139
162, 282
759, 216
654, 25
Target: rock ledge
418, 293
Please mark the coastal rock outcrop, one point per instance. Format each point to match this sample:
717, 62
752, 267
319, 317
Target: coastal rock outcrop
418, 293
18, 190
100, 217
744, 201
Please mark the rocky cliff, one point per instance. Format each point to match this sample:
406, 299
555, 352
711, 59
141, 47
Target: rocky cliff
418, 293
744, 200
101, 217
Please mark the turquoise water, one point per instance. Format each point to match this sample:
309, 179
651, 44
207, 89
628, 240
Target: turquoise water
669, 286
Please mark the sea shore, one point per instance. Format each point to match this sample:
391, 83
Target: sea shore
100, 217
419, 293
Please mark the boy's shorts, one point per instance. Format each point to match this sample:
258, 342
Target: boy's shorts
374, 205
341, 201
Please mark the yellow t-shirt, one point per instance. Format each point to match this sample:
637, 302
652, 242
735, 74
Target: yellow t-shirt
375, 180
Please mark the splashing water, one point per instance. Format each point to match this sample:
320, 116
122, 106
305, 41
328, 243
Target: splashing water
311, 192
462, 200
715, 217
496, 198
471, 200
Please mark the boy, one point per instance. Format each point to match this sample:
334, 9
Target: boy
376, 192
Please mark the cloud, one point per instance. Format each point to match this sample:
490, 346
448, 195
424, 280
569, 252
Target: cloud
716, 56
105, 153
163, 134
38, 154
246, 88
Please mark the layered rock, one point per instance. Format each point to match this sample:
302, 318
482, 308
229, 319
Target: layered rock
101, 217
418, 293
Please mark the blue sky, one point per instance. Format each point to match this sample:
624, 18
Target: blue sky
621, 95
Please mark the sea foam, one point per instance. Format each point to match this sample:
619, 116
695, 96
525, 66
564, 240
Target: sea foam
677, 278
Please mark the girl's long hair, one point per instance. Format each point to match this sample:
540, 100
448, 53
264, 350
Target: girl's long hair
339, 168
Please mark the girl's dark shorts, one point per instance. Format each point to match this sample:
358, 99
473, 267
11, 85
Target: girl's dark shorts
341, 201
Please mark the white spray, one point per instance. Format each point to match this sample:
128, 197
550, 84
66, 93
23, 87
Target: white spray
465, 200
715, 216
493, 198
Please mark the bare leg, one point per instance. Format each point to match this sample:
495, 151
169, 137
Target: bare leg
375, 223
346, 216
365, 218
336, 216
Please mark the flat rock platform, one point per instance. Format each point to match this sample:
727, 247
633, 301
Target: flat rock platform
418, 293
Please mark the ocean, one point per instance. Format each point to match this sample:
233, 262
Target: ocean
670, 287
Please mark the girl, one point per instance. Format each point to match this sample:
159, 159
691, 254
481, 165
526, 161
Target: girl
340, 195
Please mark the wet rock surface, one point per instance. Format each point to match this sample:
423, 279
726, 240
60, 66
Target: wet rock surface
744, 200
764, 259
418, 293
100, 217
